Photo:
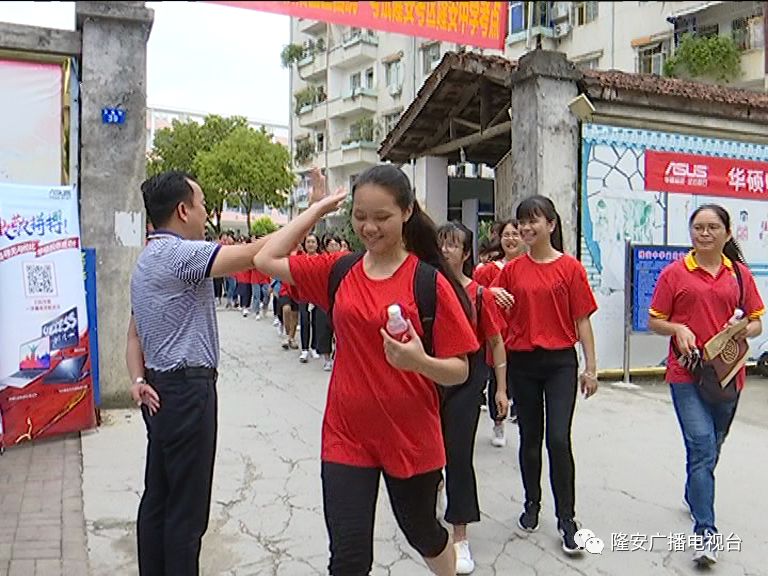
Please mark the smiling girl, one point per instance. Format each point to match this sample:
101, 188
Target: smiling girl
552, 306
382, 413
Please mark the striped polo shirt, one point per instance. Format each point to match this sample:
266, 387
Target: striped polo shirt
173, 305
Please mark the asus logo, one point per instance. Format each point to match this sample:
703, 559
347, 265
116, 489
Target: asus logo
685, 173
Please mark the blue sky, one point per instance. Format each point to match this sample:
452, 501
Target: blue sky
202, 57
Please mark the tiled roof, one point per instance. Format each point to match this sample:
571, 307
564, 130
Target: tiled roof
652, 84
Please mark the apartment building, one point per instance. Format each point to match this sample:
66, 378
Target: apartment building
637, 36
348, 90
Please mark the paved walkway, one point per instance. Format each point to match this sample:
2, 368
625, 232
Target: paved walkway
42, 528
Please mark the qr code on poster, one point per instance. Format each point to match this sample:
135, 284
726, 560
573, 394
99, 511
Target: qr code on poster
39, 279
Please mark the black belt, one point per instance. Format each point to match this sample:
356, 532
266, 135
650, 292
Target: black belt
189, 372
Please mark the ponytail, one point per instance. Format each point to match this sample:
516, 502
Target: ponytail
732, 251
557, 234
420, 236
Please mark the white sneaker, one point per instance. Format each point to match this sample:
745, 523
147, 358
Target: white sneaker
279, 329
315, 354
258, 315
328, 366
304, 356
464, 562
499, 439
276, 321
245, 312
707, 555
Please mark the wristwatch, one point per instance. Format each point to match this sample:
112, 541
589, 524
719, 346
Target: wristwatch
140, 380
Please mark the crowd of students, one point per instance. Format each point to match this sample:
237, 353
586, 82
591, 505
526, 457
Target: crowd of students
407, 407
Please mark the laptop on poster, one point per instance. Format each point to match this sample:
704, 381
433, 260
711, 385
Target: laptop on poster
68, 371
34, 360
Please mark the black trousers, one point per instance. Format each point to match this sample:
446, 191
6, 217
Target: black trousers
545, 384
243, 293
323, 331
460, 414
218, 287
174, 509
307, 321
349, 503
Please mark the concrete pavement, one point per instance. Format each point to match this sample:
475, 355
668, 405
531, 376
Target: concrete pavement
266, 516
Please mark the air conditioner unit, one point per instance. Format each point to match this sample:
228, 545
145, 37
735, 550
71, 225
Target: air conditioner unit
561, 30
395, 89
560, 11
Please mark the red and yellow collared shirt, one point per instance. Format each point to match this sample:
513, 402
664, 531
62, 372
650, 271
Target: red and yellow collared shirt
688, 294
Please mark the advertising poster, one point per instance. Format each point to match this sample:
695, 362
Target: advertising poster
45, 366
642, 186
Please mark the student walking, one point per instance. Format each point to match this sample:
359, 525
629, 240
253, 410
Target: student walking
172, 357
511, 246
382, 413
461, 404
307, 317
551, 312
694, 299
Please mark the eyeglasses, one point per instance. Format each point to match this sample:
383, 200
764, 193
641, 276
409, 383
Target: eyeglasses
711, 228
510, 236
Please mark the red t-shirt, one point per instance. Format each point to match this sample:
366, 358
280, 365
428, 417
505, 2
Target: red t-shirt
258, 277
687, 294
376, 415
549, 298
491, 321
487, 273
243, 277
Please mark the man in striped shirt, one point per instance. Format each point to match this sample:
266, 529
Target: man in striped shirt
172, 357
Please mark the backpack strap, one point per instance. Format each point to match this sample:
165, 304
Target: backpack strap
339, 269
479, 303
425, 292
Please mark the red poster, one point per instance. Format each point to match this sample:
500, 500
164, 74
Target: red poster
707, 175
482, 24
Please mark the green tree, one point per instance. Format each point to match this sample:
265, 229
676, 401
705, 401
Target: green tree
715, 58
263, 226
178, 148
249, 166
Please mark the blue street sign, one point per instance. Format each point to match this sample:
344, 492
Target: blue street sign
112, 116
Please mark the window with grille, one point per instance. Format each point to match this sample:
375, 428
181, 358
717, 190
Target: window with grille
393, 73
584, 12
431, 57
390, 120
651, 58
748, 32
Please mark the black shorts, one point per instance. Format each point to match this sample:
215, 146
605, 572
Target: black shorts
283, 301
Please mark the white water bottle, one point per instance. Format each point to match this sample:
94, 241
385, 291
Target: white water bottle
738, 314
397, 327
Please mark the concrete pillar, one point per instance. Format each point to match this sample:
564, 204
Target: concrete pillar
545, 139
469, 217
112, 167
431, 184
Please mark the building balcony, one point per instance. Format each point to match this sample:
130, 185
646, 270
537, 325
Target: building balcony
363, 101
354, 154
354, 51
313, 66
312, 115
312, 27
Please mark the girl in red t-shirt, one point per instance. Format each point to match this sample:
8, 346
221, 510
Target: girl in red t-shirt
288, 302
382, 412
461, 404
552, 306
511, 246
693, 300
307, 317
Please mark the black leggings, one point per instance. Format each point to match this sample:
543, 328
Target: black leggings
323, 332
218, 287
460, 413
349, 502
307, 326
546, 380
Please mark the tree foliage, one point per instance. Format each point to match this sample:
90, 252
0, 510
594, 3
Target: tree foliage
263, 226
715, 58
231, 161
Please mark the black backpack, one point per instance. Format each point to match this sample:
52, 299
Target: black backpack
424, 289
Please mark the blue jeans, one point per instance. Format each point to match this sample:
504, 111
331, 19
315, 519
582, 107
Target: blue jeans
260, 297
229, 287
704, 427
